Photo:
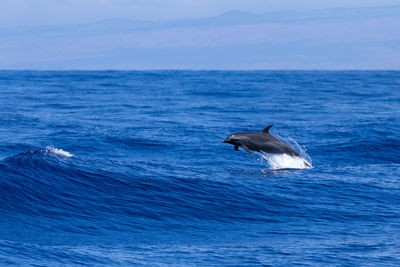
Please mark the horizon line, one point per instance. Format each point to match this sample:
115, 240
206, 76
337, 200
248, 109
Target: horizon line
194, 70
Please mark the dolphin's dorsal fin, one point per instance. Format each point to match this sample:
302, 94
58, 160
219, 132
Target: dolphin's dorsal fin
266, 129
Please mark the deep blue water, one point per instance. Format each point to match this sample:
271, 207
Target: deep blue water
121, 168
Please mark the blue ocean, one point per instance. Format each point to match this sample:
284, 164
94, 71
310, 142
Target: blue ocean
105, 168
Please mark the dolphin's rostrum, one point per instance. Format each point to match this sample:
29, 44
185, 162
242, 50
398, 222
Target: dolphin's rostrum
261, 141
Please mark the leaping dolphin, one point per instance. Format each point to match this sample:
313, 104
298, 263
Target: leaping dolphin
261, 141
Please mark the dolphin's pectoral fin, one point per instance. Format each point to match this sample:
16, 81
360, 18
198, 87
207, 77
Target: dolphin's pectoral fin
247, 149
237, 148
266, 129
307, 164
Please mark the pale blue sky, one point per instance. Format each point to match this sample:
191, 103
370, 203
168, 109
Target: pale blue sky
189, 34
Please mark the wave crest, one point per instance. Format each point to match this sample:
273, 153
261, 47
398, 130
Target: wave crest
57, 152
40, 154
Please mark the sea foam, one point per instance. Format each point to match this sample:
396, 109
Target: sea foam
57, 152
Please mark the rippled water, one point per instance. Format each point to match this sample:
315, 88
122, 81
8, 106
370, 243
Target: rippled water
119, 168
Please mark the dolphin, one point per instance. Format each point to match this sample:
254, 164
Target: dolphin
261, 141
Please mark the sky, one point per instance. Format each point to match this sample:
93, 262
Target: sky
50, 12
202, 34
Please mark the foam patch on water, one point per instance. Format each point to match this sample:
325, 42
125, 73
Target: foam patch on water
57, 152
285, 161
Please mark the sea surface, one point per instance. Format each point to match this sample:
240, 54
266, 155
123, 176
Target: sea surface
104, 168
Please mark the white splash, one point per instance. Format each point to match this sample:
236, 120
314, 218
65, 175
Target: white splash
285, 161
58, 152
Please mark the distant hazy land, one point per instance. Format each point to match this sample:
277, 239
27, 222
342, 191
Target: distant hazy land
346, 38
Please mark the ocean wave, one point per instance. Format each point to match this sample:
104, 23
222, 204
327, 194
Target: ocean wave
57, 152
48, 150
38, 183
